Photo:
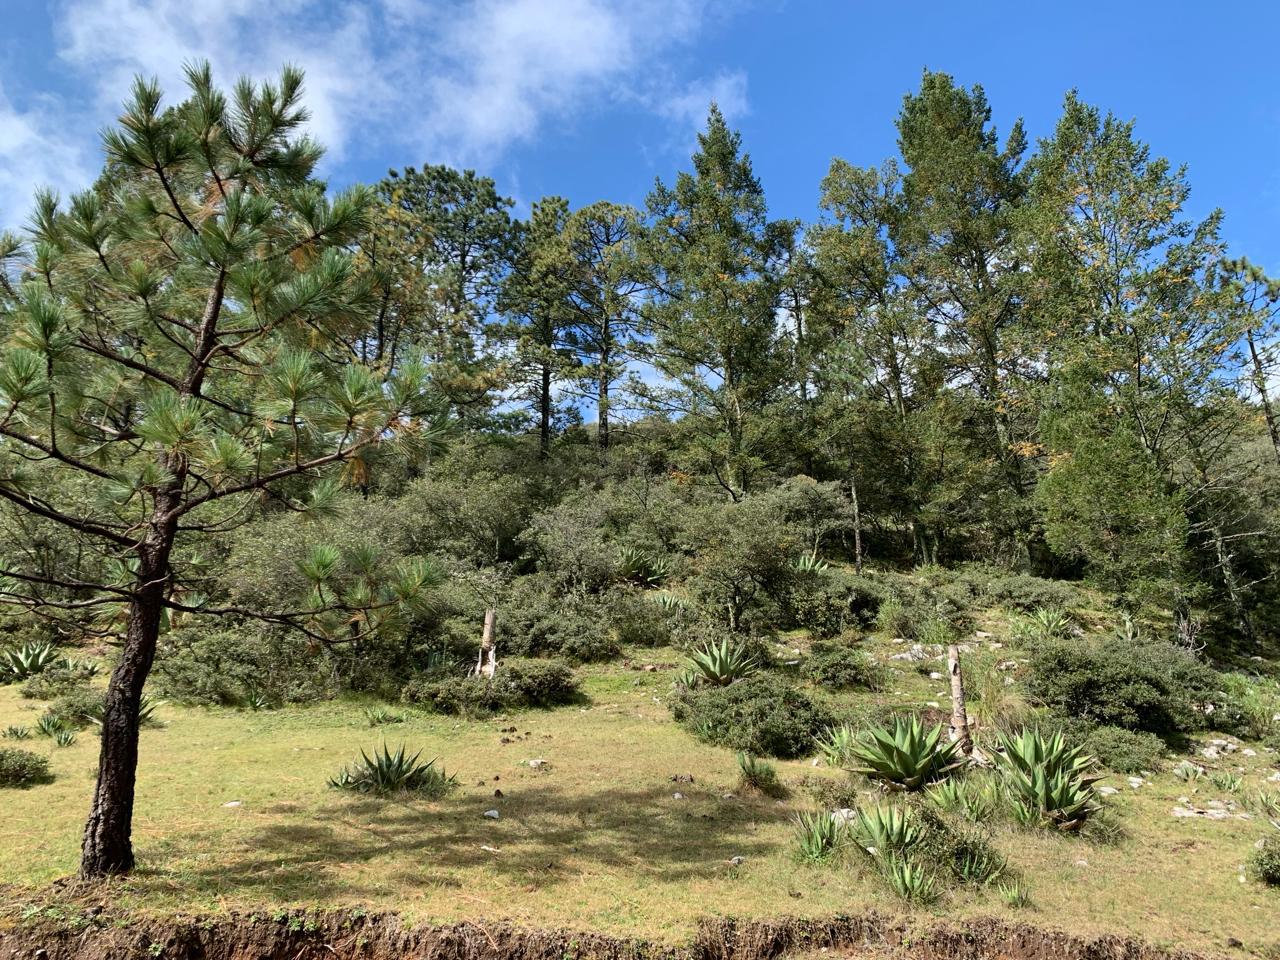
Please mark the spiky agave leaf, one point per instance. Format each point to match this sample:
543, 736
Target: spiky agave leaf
906, 757
1048, 781
722, 663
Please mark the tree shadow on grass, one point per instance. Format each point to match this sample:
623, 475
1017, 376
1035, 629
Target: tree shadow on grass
546, 835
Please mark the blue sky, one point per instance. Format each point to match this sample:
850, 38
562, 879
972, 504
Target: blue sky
594, 98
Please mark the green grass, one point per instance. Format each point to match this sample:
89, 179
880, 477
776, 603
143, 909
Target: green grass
595, 839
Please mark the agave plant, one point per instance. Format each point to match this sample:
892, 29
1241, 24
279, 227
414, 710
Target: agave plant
637, 566
669, 602
1044, 623
819, 836
386, 772
759, 775
837, 745
974, 860
808, 563
906, 757
913, 882
49, 725
17, 733
1048, 781
1015, 894
887, 831
1228, 782
1188, 772
973, 799
25, 661
147, 707
64, 738
380, 716
720, 664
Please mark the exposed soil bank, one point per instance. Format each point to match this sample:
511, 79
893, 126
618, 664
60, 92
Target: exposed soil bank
344, 935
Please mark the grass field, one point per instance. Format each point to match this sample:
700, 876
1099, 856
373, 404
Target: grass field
234, 812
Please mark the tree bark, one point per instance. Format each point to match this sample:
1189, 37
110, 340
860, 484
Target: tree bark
487, 664
959, 714
107, 848
1260, 384
857, 526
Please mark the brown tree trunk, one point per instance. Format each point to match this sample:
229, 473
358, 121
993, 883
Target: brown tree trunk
544, 413
108, 847
959, 713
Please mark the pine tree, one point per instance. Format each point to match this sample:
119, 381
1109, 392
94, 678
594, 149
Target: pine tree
714, 313
173, 350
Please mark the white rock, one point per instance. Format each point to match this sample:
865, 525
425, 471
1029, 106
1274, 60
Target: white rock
677, 795
1136, 782
232, 803
1108, 791
935, 675
844, 815
492, 814
1249, 752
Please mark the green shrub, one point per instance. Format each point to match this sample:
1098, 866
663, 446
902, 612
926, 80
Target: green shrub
537, 683
1124, 751
820, 603
58, 680
1138, 685
235, 665
518, 683
22, 768
907, 756
1265, 861
842, 667
638, 620
538, 623
386, 773
763, 715
77, 709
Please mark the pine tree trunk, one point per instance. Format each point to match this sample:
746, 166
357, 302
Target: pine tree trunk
544, 413
959, 713
1260, 384
602, 400
108, 847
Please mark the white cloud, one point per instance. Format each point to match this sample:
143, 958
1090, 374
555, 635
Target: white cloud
727, 89
37, 151
453, 81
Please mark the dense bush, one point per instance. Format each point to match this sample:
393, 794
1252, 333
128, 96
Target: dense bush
638, 620
762, 715
518, 683
77, 708
57, 680
233, 664
22, 768
536, 622
1265, 862
841, 666
1138, 685
1124, 751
